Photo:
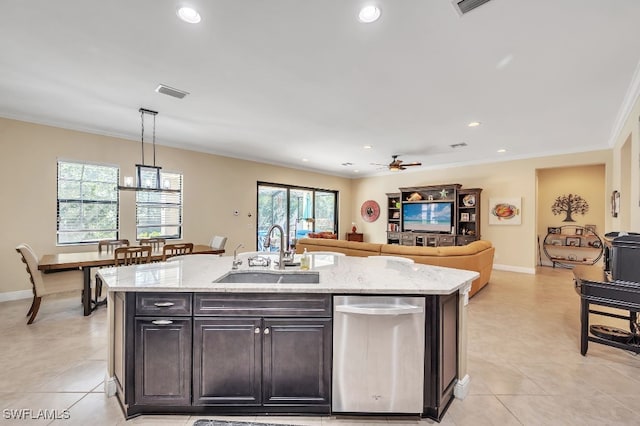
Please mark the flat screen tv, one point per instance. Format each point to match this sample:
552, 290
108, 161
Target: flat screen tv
427, 217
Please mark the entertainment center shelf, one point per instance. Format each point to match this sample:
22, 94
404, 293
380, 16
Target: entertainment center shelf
435, 215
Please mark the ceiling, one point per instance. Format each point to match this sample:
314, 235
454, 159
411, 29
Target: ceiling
281, 80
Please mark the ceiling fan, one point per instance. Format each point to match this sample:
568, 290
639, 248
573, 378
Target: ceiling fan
397, 165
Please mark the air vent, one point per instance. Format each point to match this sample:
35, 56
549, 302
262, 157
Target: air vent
166, 90
466, 6
458, 145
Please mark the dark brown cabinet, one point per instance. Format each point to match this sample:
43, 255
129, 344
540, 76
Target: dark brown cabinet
393, 217
263, 350
297, 361
468, 216
227, 354
163, 361
254, 361
455, 221
441, 354
161, 332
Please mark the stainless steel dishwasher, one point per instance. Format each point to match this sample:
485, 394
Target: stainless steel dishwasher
378, 354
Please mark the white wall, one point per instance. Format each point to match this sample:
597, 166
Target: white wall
214, 187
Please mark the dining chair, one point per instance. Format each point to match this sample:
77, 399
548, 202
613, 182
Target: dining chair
127, 255
218, 242
107, 246
170, 250
110, 245
46, 284
155, 243
132, 255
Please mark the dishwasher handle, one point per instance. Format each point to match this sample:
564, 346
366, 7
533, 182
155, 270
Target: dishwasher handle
379, 309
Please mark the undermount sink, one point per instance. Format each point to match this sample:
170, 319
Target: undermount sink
270, 277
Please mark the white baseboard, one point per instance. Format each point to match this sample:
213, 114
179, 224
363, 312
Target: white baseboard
511, 268
109, 385
461, 388
16, 295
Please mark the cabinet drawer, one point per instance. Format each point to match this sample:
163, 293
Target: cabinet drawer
259, 304
447, 241
163, 304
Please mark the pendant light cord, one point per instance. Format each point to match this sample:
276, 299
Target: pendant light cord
142, 133
154, 140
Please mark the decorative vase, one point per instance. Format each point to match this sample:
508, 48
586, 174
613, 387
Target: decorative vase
353, 229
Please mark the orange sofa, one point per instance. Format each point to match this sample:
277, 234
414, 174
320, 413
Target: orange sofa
476, 256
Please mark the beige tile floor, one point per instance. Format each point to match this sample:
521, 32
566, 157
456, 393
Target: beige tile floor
524, 363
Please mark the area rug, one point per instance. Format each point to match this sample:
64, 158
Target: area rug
205, 422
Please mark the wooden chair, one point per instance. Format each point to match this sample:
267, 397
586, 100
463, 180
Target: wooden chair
132, 255
46, 284
107, 246
176, 249
110, 245
155, 243
128, 255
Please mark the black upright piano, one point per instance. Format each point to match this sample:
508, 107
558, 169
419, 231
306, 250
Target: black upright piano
617, 285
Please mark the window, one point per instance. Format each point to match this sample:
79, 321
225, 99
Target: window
159, 213
298, 210
87, 206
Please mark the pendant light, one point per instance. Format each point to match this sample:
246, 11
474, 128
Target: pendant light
147, 176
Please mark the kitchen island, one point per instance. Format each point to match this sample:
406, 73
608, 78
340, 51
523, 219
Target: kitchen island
182, 341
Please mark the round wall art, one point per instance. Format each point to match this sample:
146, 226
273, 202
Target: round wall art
370, 211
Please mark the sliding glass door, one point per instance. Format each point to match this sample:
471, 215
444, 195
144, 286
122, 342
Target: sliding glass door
297, 210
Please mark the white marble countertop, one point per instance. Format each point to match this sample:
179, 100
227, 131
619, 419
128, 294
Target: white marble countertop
338, 274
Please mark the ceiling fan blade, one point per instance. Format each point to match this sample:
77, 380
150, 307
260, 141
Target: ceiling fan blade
415, 163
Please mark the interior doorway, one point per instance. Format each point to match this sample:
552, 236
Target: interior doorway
586, 182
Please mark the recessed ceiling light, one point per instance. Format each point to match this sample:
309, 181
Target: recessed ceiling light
367, 147
189, 15
356, 171
369, 14
305, 160
474, 124
501, 150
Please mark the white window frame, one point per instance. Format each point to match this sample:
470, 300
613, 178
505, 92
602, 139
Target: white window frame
85, 200
166, 199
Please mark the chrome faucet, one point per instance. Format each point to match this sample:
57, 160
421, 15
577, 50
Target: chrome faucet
236, 262
267, 244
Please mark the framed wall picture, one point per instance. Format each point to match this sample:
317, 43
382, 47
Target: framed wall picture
572, 241
505, 211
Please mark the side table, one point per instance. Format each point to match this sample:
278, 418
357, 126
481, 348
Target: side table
355, 236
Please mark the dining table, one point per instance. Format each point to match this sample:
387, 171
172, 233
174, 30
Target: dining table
51, 263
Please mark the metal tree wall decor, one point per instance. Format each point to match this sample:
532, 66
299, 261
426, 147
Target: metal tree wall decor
569, 204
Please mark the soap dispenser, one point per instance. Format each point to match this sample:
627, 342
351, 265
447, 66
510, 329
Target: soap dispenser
304, 260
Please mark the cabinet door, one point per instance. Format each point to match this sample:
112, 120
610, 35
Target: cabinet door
441, 355
297, 361
227, 361
162, 361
